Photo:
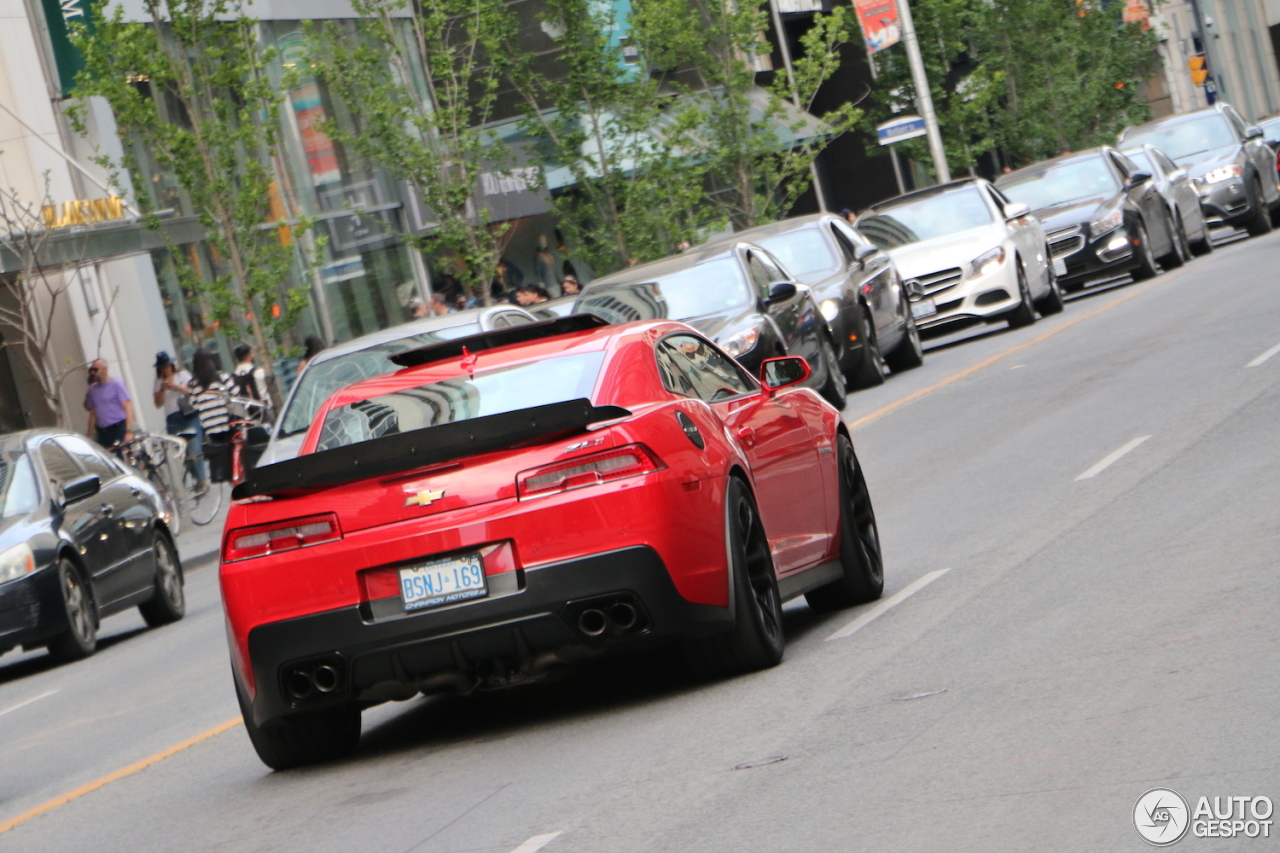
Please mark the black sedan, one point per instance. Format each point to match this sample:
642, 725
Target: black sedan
1101, 213
738, 295
858, 290
1233, 167
82, 537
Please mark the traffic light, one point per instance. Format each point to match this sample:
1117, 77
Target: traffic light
1198, 70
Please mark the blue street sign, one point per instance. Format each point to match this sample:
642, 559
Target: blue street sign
898, 129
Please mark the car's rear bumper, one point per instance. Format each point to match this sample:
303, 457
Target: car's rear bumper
512, 635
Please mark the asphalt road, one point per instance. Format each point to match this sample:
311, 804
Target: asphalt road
1105, 624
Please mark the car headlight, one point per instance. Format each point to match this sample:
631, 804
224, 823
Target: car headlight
987, 262
17, 562
1223, 173
830, 309
741, 342
1109, 222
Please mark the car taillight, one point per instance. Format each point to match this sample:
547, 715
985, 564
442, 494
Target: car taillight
629, 461
263, 539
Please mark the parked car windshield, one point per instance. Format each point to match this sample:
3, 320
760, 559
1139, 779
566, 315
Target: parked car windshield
322, 378
708, 288
493, 392
922, 219
1184, 138
1062, 183
804, 252
1142, 161
18, 495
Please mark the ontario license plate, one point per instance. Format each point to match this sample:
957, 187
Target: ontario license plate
924, 308
441, 582
1059, 266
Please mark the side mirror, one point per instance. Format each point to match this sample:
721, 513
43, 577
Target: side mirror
1177, 176
1253, 132
80, 488
1139, 177
776, 373
1016, 210
862, 254
780, 291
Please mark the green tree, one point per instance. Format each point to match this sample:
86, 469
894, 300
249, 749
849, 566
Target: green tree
189, 90
420, 89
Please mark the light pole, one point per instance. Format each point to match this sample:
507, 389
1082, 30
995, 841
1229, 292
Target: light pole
795, 95
923, 96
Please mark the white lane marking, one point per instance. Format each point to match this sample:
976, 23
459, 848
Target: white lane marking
10, 710
533, 845
884, 606
1111, 458
1266, 355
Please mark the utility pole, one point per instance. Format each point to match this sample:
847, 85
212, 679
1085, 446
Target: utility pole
923, 97
795, 95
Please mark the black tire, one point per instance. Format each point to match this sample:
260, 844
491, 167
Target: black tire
1025, 313
1146, 267
1204, 245
869, 369
169, 602
756, 640
1052, 302
863, 578
1181, 251
311, 737
81, 637
1259, 217
833, 390
909, 352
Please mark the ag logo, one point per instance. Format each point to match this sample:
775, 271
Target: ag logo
1161, 817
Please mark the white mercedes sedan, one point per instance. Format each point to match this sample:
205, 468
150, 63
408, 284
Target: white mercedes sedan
977, 256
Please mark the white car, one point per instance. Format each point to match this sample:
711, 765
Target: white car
977, 256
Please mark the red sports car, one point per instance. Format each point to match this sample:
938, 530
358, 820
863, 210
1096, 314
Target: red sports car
517, 500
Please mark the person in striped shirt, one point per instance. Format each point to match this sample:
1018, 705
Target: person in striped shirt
210, 387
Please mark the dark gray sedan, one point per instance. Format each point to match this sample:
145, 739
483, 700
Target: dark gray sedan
858, 291
1179, 194
82, 536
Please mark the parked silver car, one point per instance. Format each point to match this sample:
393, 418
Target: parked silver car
1179, 192
977, 256
366, 356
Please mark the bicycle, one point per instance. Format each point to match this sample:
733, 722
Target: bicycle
211, 500
153, 456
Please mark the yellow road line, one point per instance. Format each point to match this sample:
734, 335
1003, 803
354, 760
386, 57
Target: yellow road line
969, 371
117, 776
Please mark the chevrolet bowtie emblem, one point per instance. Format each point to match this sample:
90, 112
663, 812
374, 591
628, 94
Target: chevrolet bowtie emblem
423, 498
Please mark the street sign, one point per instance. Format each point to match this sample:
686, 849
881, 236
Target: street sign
899, 129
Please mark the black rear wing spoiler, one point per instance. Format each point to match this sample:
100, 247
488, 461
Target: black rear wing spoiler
421, 447
497, 338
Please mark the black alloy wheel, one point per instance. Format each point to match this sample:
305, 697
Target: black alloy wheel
833, 390
909, 352
1259, 217
1146, 267
1025, 313
1180, 252
862, 579
81, 637
1052, 302
301, 739
869, 369
756, 640
169, 602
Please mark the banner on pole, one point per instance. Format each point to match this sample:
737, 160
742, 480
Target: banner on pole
879, 20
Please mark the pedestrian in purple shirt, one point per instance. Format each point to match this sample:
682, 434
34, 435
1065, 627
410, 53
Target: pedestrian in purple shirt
109, 405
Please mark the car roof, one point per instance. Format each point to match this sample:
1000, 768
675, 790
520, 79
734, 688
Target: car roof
782, 226
414, 327
589, 340
1174, 119
676, 263
1036, 168
927, 192
11, 440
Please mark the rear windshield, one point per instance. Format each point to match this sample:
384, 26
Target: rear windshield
493, 392
323, 378
708, 288
1063, 182
1183, 138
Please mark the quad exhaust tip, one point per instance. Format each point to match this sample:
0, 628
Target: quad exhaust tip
622, 616
592, 622
325, 678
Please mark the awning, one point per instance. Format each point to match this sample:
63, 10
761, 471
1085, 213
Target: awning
86, 243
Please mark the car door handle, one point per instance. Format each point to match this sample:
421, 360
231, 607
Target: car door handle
135, 491
108, 510
747, 436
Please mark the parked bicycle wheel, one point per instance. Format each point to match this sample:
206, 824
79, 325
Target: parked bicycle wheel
200, 505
